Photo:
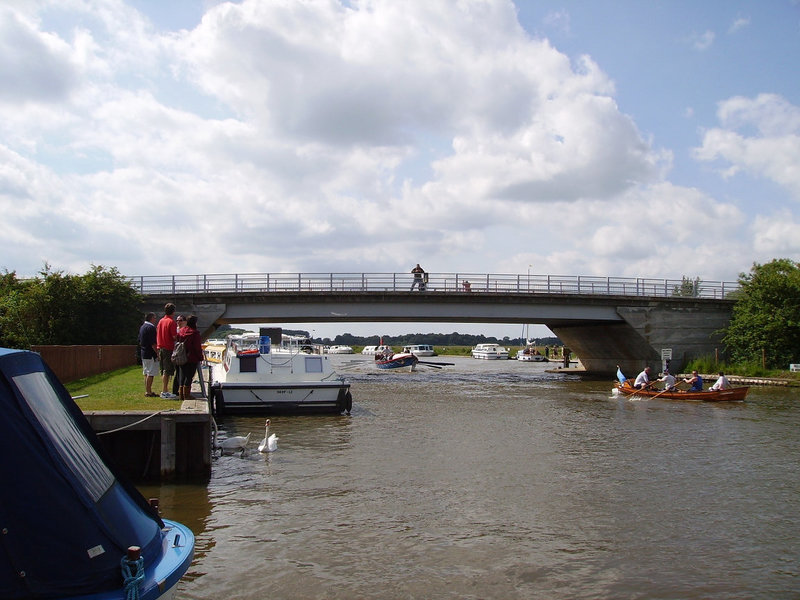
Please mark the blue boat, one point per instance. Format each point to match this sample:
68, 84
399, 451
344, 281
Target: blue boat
72, 527
401, 360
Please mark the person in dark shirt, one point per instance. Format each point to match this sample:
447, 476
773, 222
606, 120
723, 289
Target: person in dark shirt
149, 352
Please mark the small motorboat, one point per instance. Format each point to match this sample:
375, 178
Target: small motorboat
420, 350
530, 354
340, 350
490, 352
400, 360
736, 394
73, 527
250, 375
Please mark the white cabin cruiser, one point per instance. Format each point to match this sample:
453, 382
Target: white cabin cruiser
253, 376
490, 352
420, 350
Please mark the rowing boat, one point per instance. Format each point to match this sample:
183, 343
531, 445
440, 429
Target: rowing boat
730, 395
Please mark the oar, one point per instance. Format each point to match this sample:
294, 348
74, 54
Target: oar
425, 362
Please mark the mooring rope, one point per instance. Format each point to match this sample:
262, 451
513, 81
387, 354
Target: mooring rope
133, 575
160, 412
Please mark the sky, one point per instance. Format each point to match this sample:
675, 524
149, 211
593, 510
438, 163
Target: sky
577, 137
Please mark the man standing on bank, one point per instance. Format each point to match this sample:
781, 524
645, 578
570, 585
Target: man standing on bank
149, 350
166, 331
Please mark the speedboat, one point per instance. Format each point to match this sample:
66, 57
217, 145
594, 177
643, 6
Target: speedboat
254, 377
340, 350
420, 350
73, 528
490, 352
401, 360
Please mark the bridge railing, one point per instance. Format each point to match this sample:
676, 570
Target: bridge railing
436, 282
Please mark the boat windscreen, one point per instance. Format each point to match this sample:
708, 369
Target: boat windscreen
73, 447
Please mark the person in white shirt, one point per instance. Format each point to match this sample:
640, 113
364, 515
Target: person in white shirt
668, 380
722, 383
643, 379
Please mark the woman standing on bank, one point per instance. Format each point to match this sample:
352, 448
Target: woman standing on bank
190, 336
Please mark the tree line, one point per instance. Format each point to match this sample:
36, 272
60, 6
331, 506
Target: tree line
102, 307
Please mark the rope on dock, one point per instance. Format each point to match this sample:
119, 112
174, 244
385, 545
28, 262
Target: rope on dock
129, 425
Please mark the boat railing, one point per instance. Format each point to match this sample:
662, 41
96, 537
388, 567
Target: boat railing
465, 283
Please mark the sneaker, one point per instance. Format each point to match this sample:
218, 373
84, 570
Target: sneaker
168, 396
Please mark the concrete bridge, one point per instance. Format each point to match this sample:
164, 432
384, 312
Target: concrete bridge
606, 321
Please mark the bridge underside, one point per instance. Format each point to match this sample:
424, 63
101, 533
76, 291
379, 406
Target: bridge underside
602, 332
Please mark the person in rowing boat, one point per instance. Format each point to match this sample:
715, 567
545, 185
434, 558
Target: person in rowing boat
668, 380
722, 383
643, 380
695, 381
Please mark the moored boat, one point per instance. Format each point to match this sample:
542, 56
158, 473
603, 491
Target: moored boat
736, 394
72, 526
490, 352
255, 377
340, 349
530, 354
420, 350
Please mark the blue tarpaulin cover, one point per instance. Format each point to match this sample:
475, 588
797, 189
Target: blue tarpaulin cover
66, 516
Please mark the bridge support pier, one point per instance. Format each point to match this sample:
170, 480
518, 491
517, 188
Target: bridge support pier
644, 335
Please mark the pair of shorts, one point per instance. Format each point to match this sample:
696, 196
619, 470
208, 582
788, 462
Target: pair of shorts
165, 360
150, 367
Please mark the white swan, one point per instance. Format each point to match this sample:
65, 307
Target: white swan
235, 443
231, 444
269, 443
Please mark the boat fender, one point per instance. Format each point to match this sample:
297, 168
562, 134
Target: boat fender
132, 565
349, 402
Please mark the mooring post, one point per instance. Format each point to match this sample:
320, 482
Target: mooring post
167, 448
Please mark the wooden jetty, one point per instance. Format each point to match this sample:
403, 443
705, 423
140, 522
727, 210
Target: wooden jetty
167, 445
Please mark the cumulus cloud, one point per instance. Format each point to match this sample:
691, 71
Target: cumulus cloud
758, 135
338, 136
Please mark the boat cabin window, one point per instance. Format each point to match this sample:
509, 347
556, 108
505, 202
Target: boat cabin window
313, 364
247, 364
70, 443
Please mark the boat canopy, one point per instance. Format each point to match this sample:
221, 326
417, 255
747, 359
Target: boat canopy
66, 516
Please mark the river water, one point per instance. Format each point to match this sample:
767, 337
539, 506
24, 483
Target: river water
495, 479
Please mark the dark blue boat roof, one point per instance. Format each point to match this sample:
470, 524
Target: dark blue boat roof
66, 515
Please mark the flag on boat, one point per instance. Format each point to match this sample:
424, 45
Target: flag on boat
620, 376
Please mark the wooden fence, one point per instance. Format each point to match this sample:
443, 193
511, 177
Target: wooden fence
74, 362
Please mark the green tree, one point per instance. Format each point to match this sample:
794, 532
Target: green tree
688, 288
99, 307
766, 316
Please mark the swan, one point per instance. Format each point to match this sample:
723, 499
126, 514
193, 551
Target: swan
269, 443
231, 444
235, 443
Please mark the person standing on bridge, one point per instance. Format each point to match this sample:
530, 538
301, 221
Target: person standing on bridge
166, 331
418, 272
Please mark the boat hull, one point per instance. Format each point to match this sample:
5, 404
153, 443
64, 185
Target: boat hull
730, 395
161, 579
309, 397
406, 362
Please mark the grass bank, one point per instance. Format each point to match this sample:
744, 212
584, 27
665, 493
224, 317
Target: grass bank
710, 366
122, 389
